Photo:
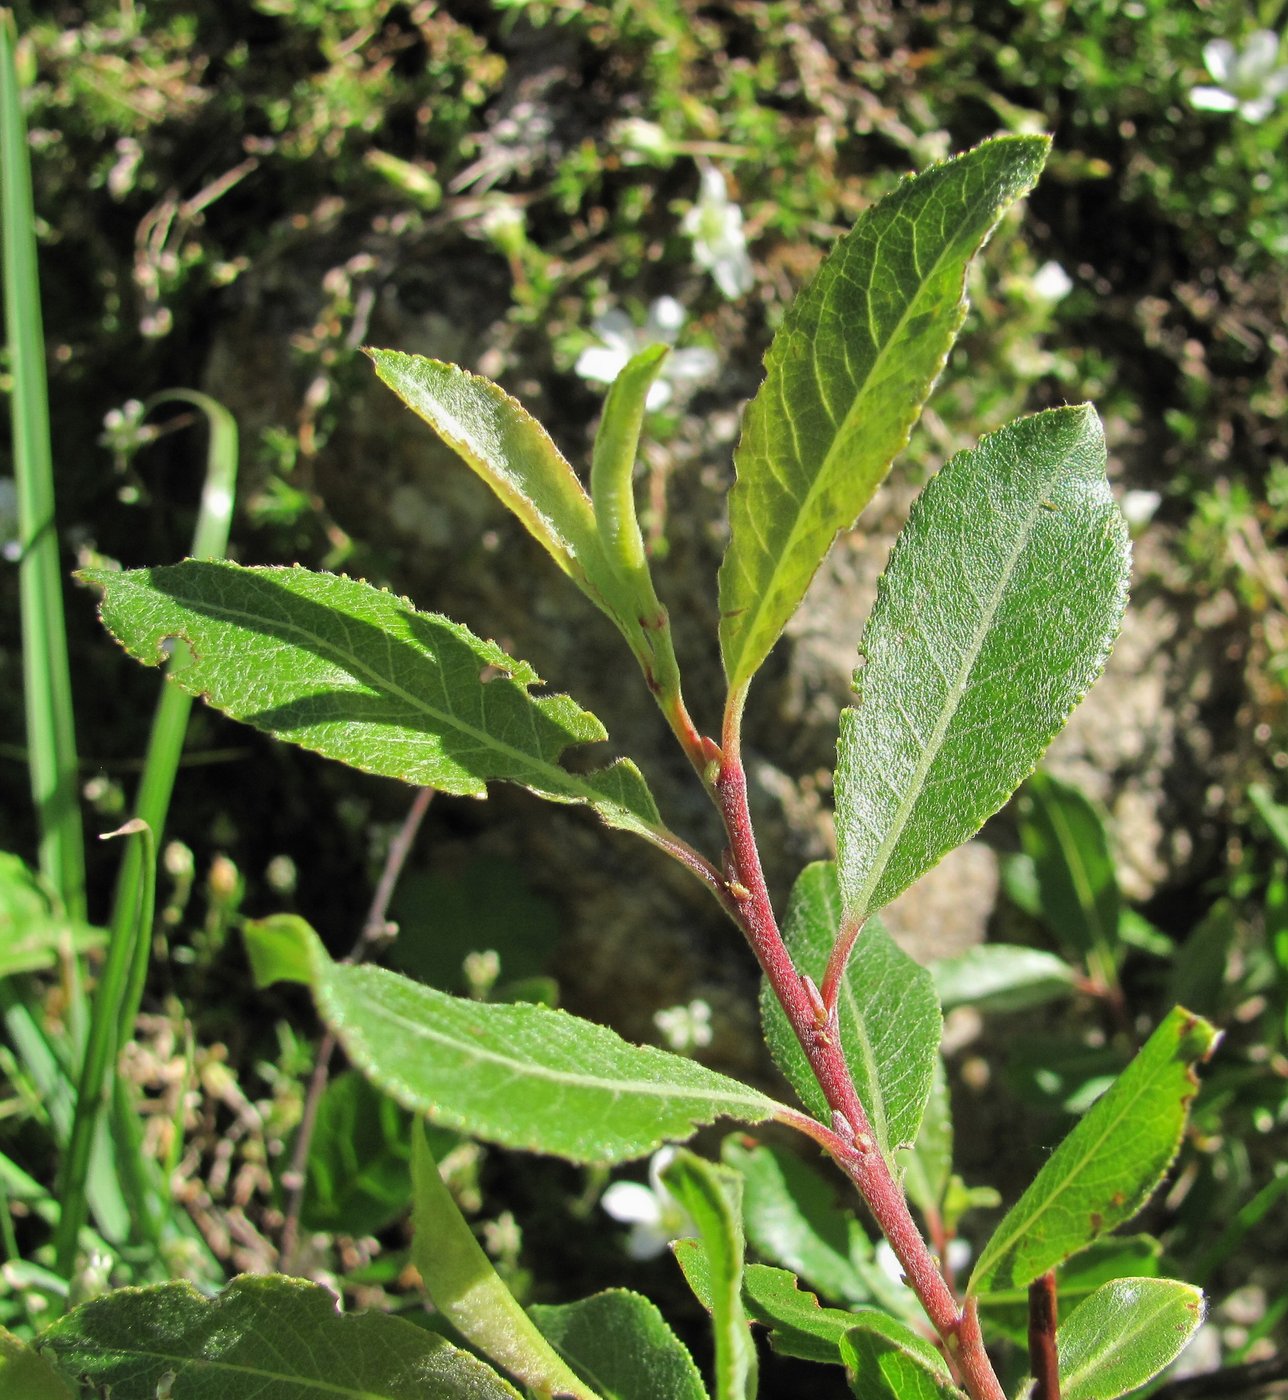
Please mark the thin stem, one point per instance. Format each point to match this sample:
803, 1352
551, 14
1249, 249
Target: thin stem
1043, 1361
374, 927
855, 1149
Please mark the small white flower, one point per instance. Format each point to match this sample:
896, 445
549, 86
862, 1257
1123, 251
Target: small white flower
1251, 79
1138, 507
719, 244
654, 1215
621, 339
1051, 282
685, 1028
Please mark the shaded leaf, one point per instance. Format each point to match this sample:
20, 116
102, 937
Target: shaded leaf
882, 1364
358, 675
887, 1012
1124, 1334
27, 1375
469, 1292
31, 933
996, 613
278, 1338
519, 1075
712, 1195
928, 1164
619, 1343
845, 379
1000, 977
1063, 833
1108, 1166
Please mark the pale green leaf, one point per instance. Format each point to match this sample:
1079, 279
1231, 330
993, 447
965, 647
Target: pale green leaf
620, 1343
515, 1074
271, 1337
712, 1195
356, 674
1002, 977
996, 613
1123, 1336
507, 447
26, 1375
883, 1361
468, 1291
889, 1018
845, 379
1108, 1166
32, 935
928, 1164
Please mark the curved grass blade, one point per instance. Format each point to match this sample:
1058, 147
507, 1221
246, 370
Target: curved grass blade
996, 613
516, 1074
358, 675
845, 379
1108, 1166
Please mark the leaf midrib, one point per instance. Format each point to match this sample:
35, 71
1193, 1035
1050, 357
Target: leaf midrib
931, 751
529, 1070
752, 627
387, 686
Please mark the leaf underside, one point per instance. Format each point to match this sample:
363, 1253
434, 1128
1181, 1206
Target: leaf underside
357, 674
996, 613
845, 379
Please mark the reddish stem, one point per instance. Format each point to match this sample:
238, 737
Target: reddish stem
859, 1156
1043, 1361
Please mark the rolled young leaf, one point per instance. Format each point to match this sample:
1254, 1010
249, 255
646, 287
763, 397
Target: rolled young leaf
515, 1074
468, 1291
1108, 1166
845, 379
356, 674
996, 613
1124, 1334
272, 1337
888, 1016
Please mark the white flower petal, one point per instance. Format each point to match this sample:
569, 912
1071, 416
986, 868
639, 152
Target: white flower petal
1051, 282
1218, 55
665, 318
1213, 99
695, 363
600, 364
632, 1203
646, 1242
1258, 57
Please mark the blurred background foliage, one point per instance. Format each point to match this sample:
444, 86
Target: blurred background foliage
235, 194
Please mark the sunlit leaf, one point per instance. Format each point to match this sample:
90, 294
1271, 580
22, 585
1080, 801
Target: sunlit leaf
1123, 1336
845, 379
1000, 977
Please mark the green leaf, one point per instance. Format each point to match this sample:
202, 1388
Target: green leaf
31, 934
1064, 835
1108, 1166
1001, 977
276, 1338
881, 1363
26, 1375
1124, 1334
356, 674
519, 1075
621, 1344
889, 1018
928, 1164
713, 1197
507, 447
791, 1216
996, 613
469, 1292
845, 379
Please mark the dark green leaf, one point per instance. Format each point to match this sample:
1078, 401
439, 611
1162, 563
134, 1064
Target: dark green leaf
620, 1344
469, 1292
845, 379
356, 674
888, 1015
999, 977
519, 1075
1064, 835
1198, 973
712, 1195
1123, 1336
1108, 1166
882, 1364
272, 1337
996, 613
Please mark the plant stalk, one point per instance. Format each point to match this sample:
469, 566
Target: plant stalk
861, 1158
